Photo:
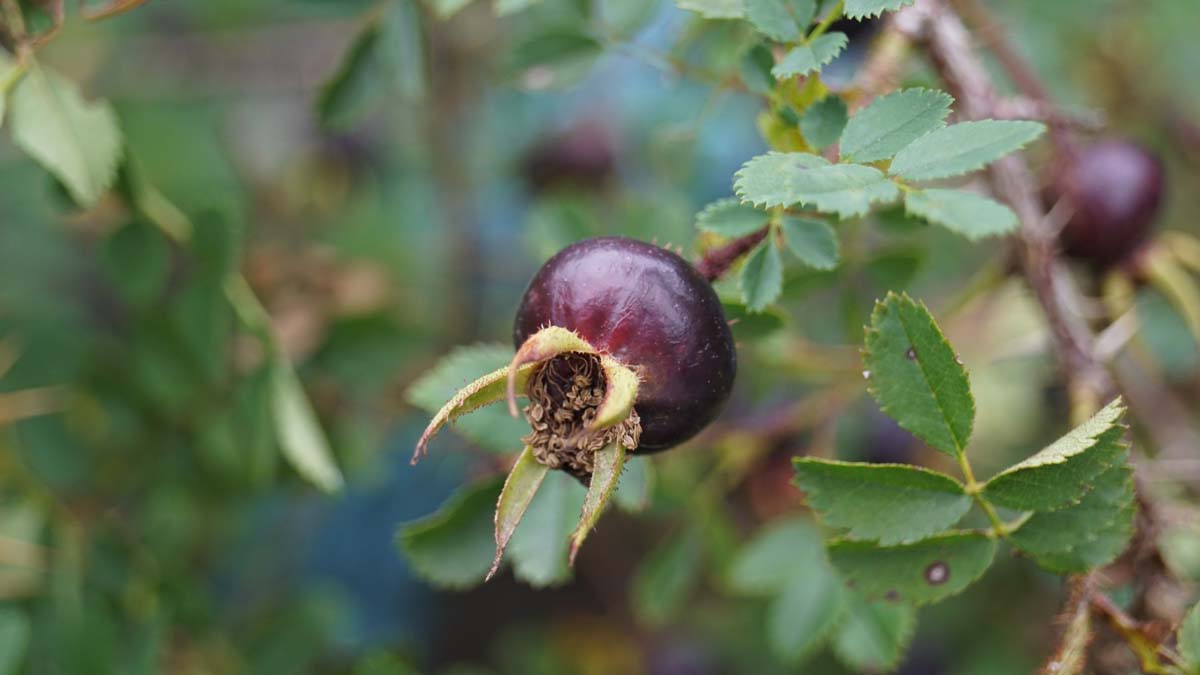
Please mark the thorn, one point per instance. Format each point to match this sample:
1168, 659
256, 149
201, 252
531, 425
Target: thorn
733, 322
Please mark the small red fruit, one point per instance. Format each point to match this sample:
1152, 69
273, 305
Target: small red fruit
1114, 190
650, 310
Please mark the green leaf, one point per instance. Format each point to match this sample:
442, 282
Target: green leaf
387, 54
454, 546
77, 141
637, 482
784, 179
538, 549
505, 7
803, 615
444, 9
756, 69
1061, 473
873, 635
823, 122
14, 639
915, 376
663, 580
7, 71
1189, 639
553, 57
490, 427
919, 573
962, 148
138, 261
891, 122
762, 276
714, 9
300, 436
749, 325
862, 9
804, 59
519, 489
768, 562
781, 20
971, 215
888, 503
1088, 534
812, 241
730, 218
605, 474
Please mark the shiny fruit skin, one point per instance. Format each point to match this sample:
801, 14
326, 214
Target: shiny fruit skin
652, 311
1115, 189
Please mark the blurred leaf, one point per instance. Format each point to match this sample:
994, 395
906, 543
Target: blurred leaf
151, 204
891, 122
520, 487
767, 563
383, 664
802, 616
1189, 639
625, 17
762, 276
1062, 472
861, 9
786, 560
444, 9
918, 573
962, 148
781, 20
784, 179
747, 325
77, 141
915, 375
14, 639
666, 576
895, 267
7, 72
889, 503
731, 218
513, 6
454, 546
714, 9
553, 57
812, 241
137, 260
1088, 534
538, 550
823, 122
806, 58
387, 52
971, 215
756, 69
873, 635
636, 485
300, 436
491, 427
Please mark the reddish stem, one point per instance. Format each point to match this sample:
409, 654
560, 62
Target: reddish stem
716, 262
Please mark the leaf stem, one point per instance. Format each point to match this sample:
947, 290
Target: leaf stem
975, 489
832, 16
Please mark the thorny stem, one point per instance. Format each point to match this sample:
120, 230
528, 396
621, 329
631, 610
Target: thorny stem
932, 24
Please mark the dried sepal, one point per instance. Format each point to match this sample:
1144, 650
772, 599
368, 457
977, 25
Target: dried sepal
608, 463
519, 489
619, 396
542, 346
486, 390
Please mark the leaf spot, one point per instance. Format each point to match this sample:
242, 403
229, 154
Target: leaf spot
911, 354
937, 573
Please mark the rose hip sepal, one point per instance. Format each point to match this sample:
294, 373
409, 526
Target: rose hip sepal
615, 337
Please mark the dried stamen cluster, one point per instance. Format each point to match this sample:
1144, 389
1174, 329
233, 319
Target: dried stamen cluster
564, 395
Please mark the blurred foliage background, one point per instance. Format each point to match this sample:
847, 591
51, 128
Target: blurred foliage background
386, 182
